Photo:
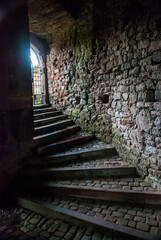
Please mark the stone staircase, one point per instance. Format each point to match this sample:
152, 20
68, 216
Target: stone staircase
77, 178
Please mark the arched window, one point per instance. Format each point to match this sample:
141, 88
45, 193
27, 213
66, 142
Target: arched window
38, 77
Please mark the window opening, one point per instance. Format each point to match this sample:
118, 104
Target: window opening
38, 78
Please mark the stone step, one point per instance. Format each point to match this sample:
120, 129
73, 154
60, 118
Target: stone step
54, 136
73, 157
64, 144
81, 156
47, 115
98, 162
116, 195
43, 110
125, 183
79, 173
40, 106
52, 127
96, 191
96, 216
45, 121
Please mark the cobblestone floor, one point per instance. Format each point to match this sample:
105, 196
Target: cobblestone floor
102, 162
92, 145
22, 224
137, 184
145, 219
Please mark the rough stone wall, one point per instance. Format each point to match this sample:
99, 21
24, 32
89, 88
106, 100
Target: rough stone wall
111, 86
16, 121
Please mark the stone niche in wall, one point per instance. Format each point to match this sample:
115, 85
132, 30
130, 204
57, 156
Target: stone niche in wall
110, 81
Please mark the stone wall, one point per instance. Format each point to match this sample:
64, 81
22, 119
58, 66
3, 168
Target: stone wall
16, 121
110, 83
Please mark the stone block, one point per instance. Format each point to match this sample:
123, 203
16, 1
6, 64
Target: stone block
158, 95
155, 45
155, 231
118, 106
144, 121
156, 57
143, 44
157, 106
79, 234
35, 219
125, 74
83, 102
113, 105
140, 87
152, 222
117, 96
47, 225
123, 221
127, 65
122, 88
157, 121
150, 149
132, 224
123, 36
133, 97
125, 96
139, 219
110, 111
84, 95
118, 214
142, 226
156, 75
56, 71
85, 115
45, 234
134, 72
156, 131
109, 65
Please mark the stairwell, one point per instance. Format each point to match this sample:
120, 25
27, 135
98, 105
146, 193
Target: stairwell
77, 178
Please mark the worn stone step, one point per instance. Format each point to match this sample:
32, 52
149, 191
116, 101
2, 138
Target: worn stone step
47, 115
64, 144
45, 121
98, 162
81, 156
52, 127
116, 195
40, 106
54, 136
73, 157
95, 192
43, 110
81, 172
125, 183
52, 210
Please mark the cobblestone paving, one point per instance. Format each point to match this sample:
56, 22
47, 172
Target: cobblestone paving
137, 184
104, 162
92, 145
21, 224
145, 219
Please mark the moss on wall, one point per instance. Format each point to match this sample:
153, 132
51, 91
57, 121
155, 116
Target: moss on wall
79, 34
